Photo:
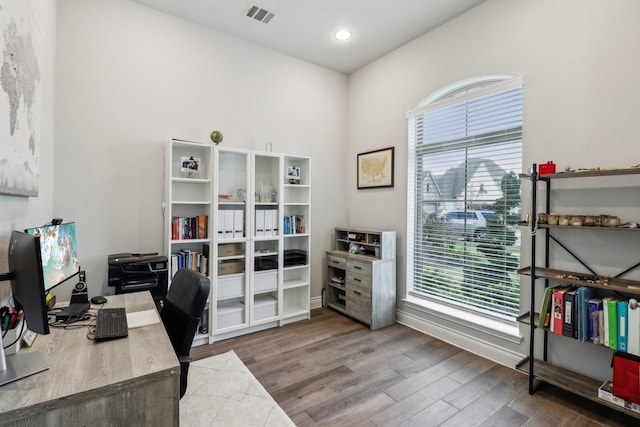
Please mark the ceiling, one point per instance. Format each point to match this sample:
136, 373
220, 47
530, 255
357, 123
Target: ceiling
305, 28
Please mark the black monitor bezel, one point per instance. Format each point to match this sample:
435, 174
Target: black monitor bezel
27, 281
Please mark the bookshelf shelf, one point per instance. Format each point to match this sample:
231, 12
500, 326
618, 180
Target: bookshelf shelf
540, 272
566, 379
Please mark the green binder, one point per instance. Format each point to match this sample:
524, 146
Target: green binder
612, 314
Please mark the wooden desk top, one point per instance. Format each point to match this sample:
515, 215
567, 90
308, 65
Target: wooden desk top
81, 369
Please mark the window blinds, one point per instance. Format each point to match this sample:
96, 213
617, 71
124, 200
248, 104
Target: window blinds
465, 154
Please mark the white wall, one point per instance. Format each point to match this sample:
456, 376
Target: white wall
17, 213
581, 100
130, 78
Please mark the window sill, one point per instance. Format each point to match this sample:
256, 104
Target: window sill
504, 330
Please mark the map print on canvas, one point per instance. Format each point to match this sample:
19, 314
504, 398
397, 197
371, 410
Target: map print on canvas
20, 99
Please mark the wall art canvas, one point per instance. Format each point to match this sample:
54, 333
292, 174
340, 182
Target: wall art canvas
375, 168
20, 99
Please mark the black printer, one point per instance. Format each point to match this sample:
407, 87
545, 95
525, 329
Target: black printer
133, 272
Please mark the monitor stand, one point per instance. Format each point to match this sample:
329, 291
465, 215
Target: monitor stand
21, 365
73, 311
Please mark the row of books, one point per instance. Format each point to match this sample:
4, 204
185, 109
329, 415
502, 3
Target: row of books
193, 260
294, 224
578, 313
184, 228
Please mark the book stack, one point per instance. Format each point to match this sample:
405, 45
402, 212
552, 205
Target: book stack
193, 260
185, 228
578, 313
294, 224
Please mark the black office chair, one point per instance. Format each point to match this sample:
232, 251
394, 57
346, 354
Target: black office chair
181, 313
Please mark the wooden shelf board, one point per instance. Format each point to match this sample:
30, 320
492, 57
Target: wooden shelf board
570, 381
587, 173
581, 227
611, 283
525, 318
337, 307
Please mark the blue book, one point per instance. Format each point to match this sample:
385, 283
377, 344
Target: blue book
586, 294
623, 321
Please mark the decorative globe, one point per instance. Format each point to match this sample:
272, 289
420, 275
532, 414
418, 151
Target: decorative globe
216, 137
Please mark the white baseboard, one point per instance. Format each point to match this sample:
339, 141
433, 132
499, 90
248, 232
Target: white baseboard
316, 302
486, 349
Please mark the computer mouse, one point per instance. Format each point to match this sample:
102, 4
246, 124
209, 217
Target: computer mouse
99, 299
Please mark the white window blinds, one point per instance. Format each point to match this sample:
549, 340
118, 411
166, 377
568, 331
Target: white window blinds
465, 154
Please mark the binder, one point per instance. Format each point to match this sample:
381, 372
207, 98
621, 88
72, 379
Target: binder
545, 311
586, 294
260, 222
568, 313
220, 224
268, 222
623, 306
594, 307
633, 328
228, 224
275, 222
612, 317
238, 224
557, 309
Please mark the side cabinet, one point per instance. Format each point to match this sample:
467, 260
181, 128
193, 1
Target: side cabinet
362, 285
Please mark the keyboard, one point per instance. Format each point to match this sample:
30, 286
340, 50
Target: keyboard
110, 324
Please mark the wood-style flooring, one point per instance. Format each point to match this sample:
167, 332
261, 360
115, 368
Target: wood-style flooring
331, 370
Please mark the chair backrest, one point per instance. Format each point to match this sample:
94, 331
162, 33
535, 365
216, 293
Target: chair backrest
183, 308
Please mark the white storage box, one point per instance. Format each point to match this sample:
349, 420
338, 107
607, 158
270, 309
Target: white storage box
265, 281
264, 306
229, 315
230, 287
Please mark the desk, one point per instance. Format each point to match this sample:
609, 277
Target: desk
131, 381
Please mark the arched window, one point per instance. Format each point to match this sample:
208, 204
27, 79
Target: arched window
463, 242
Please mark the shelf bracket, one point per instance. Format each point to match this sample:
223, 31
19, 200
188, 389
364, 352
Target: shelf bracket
572, 254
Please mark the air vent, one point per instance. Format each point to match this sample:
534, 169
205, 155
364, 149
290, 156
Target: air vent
259, 14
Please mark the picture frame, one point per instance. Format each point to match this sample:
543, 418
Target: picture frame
293, 174
376, 168
190, 165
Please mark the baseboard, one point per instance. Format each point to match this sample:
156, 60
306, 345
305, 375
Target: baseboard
316, 302
475, 345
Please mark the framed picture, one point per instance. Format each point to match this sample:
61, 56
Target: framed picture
375, 168
293, 174
190, 164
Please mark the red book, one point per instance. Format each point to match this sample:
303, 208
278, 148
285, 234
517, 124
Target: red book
557, 309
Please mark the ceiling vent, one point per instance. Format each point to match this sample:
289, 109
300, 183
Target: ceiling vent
259, 14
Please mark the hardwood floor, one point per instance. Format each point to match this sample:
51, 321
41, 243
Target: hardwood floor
332, 370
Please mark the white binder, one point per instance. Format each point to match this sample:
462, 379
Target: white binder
238, 224
220, 224
228, 224
268, 222
260, 222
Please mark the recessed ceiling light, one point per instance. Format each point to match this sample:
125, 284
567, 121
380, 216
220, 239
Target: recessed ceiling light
342, 35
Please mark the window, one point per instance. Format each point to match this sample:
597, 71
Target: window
465, 156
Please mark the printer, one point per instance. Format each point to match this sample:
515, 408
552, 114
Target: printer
133, 272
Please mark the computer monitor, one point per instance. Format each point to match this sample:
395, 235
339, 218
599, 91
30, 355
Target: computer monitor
27, 287
59, 252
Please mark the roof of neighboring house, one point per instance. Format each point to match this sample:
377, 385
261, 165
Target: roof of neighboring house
452, 183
